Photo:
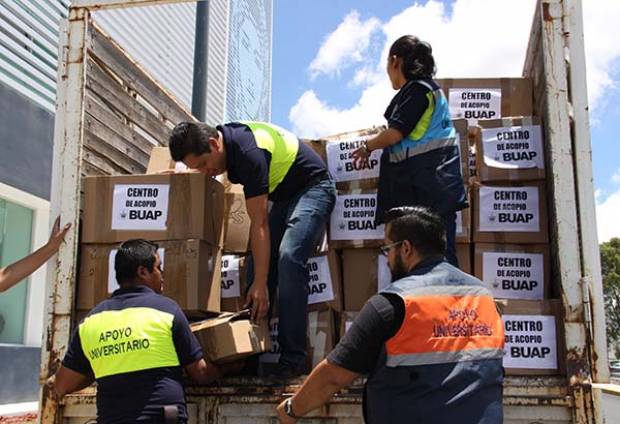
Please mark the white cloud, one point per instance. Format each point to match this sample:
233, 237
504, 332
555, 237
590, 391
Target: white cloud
600, 27
607, 213
476, 40
345, 45
463, 46
616, 177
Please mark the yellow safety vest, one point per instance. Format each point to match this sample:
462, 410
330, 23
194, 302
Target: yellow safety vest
128, 340
283, 146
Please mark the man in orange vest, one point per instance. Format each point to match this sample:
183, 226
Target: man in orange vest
432, 342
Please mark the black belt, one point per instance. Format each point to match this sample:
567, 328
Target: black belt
317, 179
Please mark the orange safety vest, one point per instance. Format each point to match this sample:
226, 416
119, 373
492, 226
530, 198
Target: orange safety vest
444, 364
452, 321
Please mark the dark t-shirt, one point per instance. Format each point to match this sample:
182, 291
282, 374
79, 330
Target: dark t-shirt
248, 165
408, 106
138, 396
377, 322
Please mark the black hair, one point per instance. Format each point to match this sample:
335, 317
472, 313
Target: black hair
131, 255
417, 56
422, 227
190, 137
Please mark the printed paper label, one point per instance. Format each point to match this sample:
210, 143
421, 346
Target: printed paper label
320, 284
353, 218
459, 223
384, 276
140, 207
340, 162
530, 342
518, 147
112, 283
509, 209
512, 275
231, 286
475, 103
273, 356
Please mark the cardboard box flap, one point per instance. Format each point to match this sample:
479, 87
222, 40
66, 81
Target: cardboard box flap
220, 319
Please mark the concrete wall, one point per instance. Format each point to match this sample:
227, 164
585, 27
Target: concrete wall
26, 139
19, 368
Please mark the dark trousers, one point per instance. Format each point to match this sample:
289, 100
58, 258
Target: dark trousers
449, 222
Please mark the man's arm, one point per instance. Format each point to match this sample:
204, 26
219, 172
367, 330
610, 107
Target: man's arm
68, 381
203, 373
14, 273
324, 381
260, 243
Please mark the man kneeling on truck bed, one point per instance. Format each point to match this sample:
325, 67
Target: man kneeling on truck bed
271, 164
432, 341
134, 345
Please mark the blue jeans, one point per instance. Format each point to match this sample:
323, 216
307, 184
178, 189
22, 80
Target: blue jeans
296, 226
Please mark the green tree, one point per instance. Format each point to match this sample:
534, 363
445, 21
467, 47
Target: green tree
610, 264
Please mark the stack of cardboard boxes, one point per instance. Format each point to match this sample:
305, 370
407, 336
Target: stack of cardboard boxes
510, 221
235, 249
353, 234
184, 214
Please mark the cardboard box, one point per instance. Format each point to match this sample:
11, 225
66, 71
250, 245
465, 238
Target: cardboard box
488, 98
346, 320
268, 361
514, 271
234, 282
511, 149
154, 207
236, 221
463, 225
325, 284
364, 274
463, 254
231, 336
339, 149
190, 276
515, 213
471, 135
321, 336
534, 337
352, 223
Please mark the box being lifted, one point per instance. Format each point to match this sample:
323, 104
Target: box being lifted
231, 336
154, 207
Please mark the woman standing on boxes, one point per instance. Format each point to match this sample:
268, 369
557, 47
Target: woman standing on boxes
420, 163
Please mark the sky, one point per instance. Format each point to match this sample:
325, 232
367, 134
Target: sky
329, 66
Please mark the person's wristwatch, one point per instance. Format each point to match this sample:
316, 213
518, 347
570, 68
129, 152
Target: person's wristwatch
288, 408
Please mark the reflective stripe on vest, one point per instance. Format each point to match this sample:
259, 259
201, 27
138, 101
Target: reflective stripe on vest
283, 146
132, 339
433, 131
445, 323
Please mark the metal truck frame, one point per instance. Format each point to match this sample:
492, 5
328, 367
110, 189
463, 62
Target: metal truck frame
110, 112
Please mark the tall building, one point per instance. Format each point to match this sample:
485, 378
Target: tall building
239, 46
161, 39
